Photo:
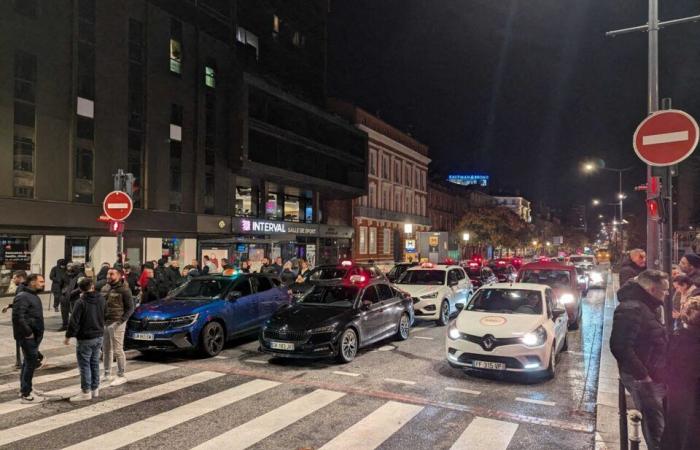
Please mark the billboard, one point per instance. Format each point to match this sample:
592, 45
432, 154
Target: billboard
469, 179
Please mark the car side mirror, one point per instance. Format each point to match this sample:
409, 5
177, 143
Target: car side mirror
557, 312
234, 295
459, 306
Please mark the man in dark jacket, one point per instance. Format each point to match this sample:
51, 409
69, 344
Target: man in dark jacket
86, 324
174, 275
635, 265
120, 306
163, 279
639, 343
690, 265
132, 279
70, 292
28, 330
58, 280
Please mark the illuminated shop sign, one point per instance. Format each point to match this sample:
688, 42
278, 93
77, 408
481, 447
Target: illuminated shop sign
469, 179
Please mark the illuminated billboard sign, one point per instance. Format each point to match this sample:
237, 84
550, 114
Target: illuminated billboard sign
469, 179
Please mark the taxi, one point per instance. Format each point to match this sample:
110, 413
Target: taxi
508, 327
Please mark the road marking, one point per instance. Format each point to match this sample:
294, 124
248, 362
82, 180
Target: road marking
221, 357
254, 431
50, 423
537, 402
256, 361
386, 348
423, 337
394, 380
418, 329
375, 428
42, 379
665, 138
60, 394
347, 374
486, 434
161, 422
466, 391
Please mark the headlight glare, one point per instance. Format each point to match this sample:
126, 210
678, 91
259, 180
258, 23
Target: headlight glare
534, 338
453, 332
565, 299
431, 295
596, 277
183, 321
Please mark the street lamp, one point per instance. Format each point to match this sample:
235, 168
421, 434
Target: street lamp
548, 244
600, 216
595, 202
465, 237
534, 243
408, 228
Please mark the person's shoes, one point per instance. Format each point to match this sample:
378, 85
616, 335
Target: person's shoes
38, 392
42, 364
83, 396
31, 398
107, 378
118, 380
95, 393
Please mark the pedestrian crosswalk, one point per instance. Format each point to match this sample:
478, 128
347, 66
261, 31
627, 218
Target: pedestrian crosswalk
167, 406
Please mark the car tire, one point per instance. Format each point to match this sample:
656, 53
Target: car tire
552, 367
565, 345
347, 346
212, 339
444, 313
404, 327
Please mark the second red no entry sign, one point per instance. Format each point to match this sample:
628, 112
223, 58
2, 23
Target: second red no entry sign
666, 137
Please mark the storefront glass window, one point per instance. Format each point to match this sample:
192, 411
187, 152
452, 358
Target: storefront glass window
15, 254
292, 209
273, 206
309, 211
245, 202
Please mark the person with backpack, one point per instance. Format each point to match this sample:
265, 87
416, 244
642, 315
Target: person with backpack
120, 306
86, 324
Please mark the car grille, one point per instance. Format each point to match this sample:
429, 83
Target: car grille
511, 363
148, 325
495, 342
284, 335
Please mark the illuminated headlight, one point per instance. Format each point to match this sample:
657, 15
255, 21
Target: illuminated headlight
534, 338
326, 329
565, 299
183, 321
596, 277
453, 333
431, 295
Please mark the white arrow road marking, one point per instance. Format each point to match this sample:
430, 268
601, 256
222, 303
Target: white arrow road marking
117, 205
665, 138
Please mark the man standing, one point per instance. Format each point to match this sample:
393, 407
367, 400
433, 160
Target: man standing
86, 324
28, 330
276, 267
174, 276
635, 265
119, 307
639, 343
19, 277
132, 279
690, 265
58, 280
70, 293
208, 267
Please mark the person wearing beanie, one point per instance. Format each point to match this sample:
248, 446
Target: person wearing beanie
690, 265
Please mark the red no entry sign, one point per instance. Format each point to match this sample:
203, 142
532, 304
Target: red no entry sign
117, 205
666, 137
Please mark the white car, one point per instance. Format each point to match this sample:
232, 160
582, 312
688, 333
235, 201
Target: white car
436, 289
512, 327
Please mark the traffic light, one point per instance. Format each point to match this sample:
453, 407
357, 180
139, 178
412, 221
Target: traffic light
656, 209
116, 226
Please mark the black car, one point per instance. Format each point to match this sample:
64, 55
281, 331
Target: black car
334, 272
398, 270
504, 272
480, 276
337, 318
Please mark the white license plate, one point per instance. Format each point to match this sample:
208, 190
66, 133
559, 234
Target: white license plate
489, 365
281, 346
142, 336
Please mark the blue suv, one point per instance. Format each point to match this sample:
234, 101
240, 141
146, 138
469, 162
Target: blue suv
205, 312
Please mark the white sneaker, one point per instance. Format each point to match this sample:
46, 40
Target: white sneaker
107, 378
83, 396
95, 393
31, 398
118, 380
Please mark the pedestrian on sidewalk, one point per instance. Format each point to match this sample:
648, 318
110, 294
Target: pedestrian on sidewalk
690, 265
131, 277
683, 380
635, 265
639, 344
119, 307
86, 324
683, 289
28, 330
19, 277
70, 292
58, 281
287, 276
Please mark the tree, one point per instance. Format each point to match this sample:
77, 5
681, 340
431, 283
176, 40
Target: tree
497, 226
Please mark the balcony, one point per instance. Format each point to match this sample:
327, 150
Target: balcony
394, 216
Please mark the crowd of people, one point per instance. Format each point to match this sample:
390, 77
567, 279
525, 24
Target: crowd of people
657, 360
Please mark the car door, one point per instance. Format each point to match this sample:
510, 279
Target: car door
465, 284
391, 307
244, 307
267, 298
560, 325
371, 317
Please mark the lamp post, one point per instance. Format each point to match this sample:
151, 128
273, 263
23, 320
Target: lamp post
465, 242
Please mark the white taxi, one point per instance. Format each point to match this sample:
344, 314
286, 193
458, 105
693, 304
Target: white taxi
436, 290
511, 327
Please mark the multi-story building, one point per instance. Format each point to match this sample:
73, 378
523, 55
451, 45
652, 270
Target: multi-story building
395, 207
518, 205
215, 106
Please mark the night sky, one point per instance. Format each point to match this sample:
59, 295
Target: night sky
522, 89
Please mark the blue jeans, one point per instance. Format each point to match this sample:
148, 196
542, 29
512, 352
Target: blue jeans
88, 352
30, 350
649, 400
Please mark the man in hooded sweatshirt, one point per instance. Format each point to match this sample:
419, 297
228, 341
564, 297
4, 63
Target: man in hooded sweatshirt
86, 324
120, 305
58, 281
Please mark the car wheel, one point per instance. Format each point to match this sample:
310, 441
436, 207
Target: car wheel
565, 346
444, 313
212, 339
552, 368
348, 346
404, 327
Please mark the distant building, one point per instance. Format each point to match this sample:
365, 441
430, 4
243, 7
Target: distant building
518, 205
576, 218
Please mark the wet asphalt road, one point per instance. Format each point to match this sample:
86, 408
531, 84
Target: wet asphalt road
442, 401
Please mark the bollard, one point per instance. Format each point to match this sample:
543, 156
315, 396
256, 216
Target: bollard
635, 426
622, 411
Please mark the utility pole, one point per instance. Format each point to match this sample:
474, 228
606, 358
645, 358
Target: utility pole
123, 182
652, 28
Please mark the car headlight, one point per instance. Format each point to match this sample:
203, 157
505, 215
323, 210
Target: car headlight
534, 338
183, 321
453, 332
565, 299
596, 277
431, 295
326, 329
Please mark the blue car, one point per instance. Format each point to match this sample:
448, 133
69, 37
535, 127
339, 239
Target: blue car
205, 312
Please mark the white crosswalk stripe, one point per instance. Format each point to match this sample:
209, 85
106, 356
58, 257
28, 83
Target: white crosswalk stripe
486, 434
95, 409
42, 379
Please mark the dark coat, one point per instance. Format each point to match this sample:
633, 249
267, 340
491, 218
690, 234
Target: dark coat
174, 277
132, 279
149, 293
27, 314
288, 277
58, 277
682, 377
120, 305
102, 274
87, 321
629, 270
639, 339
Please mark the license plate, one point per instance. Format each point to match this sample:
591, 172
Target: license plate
142, 336
489, 365
281, 346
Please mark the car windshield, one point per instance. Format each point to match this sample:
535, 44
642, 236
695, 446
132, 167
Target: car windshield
507, 301
581, 259
436, 277
396, 271
200, 289
552, 278
342, 296
327, 273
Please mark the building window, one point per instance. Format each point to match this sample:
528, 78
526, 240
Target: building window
86, 21
248, 39
372, 240
84, 161
275, 25
292, 208
372, 163
273, 206
363, 241
85, 128
24, 114
385, 168
407, 175
386, 200
397, 200
386, 241
209, 76
175, 175
416, 205
134, 162
175, 46
298, 39
246, 202
209, 186
372, 195
27, 8
135, 41
24, 124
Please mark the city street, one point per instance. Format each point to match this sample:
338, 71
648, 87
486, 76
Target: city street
394, 395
